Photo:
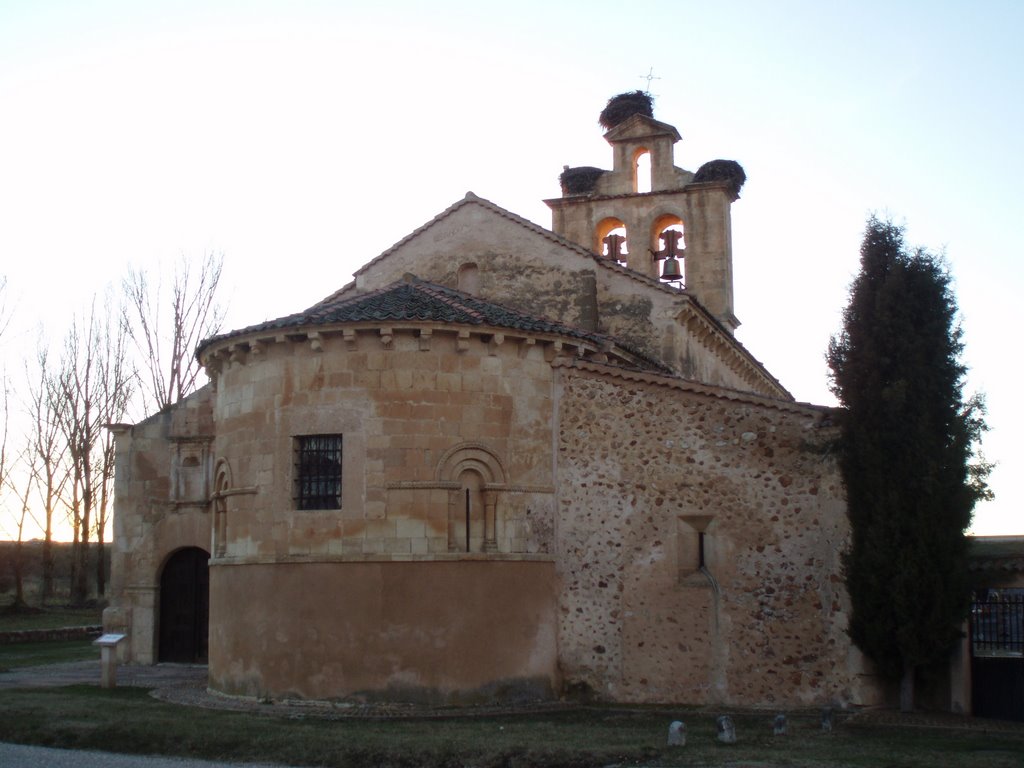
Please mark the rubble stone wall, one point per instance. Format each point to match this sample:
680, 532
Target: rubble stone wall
644, 469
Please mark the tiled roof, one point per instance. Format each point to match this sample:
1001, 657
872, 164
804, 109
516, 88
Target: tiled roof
415, 300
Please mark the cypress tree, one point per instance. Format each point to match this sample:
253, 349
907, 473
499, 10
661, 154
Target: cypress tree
906, 448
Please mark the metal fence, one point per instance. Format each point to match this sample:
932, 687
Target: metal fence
997, 623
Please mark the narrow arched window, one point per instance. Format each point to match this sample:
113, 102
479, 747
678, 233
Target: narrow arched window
467, 529
642, 171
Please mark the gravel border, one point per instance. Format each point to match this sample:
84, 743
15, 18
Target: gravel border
186, 685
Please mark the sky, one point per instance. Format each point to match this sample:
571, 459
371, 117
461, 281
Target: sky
300, 139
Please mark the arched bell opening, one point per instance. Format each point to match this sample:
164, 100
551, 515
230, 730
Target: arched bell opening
610, 239
668, 244
642, 170
185, 607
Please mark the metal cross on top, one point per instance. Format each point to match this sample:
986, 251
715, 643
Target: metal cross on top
648, 77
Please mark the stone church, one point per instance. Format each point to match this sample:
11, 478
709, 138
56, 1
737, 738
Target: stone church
503, 463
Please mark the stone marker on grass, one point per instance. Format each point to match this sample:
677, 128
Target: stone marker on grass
677, 734
826, 720
779, 725
108, 658
726, 730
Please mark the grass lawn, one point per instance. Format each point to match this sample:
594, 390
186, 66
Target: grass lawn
128, 720
54, 617
14, 655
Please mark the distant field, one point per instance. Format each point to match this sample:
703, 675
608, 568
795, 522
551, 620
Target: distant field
32, 570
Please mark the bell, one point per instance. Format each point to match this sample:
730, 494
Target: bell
671, 270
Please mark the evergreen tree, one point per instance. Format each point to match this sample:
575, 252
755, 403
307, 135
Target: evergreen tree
906, 449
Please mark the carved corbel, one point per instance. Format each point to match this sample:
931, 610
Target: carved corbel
495, 341
553, 350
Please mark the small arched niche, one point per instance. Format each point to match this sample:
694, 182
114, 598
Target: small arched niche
610, 239
222, 485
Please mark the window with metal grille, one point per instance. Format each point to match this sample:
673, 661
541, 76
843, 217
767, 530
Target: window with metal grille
318, 472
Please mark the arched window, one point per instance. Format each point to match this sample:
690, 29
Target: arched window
611, 239
472, 508
642, 170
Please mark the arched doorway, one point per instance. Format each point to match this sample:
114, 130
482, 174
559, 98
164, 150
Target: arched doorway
185, 607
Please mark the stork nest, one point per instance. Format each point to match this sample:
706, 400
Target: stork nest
624, 106
581, 180
722, 170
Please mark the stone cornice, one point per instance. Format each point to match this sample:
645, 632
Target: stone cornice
357, 557
699, 186
244, 348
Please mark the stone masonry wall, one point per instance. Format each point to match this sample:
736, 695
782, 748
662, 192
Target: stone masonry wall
159, 506
643, 469
402, 408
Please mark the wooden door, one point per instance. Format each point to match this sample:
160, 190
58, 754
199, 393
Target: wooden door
185, 607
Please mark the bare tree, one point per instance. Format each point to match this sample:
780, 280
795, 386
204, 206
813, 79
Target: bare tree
92, 388
166, 329
116, 389
5, 311
23, 495
4, 397
51, 471
74, 404
10, 469
4, 411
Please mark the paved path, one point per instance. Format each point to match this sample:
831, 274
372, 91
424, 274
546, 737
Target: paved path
21, 756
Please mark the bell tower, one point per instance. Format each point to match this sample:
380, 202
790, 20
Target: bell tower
651, 216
